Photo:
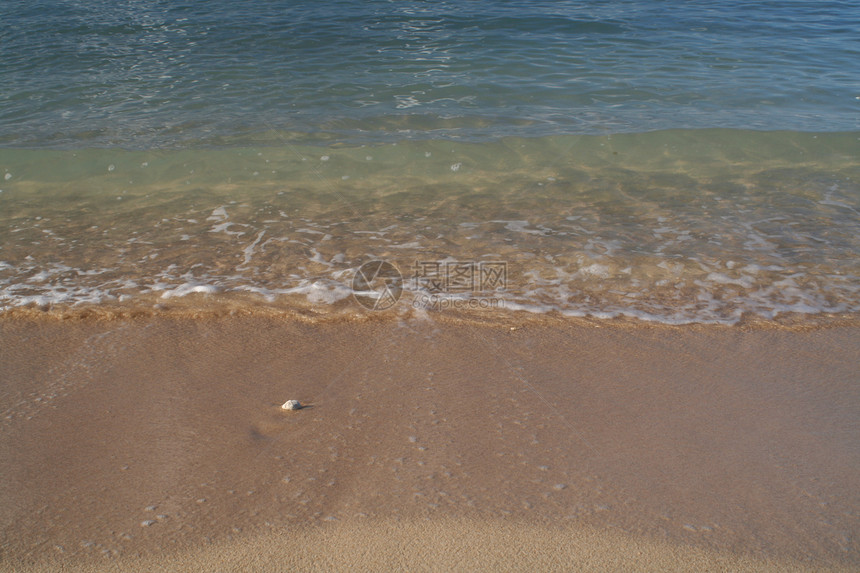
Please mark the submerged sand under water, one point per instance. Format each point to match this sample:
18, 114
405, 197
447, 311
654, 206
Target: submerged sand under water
673, 226
159, 443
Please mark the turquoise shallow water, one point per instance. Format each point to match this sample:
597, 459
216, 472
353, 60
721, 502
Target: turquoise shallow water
670, 162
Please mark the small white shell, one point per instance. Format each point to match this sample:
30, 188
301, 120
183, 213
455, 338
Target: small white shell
291, 405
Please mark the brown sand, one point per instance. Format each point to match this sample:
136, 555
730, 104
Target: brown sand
159, 444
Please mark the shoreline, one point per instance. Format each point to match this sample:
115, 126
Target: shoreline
722, 442
205, 307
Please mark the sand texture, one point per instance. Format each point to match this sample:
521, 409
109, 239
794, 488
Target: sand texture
160, 444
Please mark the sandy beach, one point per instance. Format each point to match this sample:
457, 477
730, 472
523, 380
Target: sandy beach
557, 286
159, 443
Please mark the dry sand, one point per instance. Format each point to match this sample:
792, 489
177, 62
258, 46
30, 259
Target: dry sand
159, 444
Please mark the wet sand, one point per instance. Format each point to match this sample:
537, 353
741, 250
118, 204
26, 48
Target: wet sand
159, 444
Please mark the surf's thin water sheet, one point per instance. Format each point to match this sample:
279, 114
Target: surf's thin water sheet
673, 226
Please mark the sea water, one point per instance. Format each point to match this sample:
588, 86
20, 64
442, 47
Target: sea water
692, 162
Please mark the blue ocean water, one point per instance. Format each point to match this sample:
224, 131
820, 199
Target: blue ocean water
668, 161
184, 73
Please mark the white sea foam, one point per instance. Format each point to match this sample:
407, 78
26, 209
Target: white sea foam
596, 270
218, 214
189, 288
248, 251
324, 292
576, 294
